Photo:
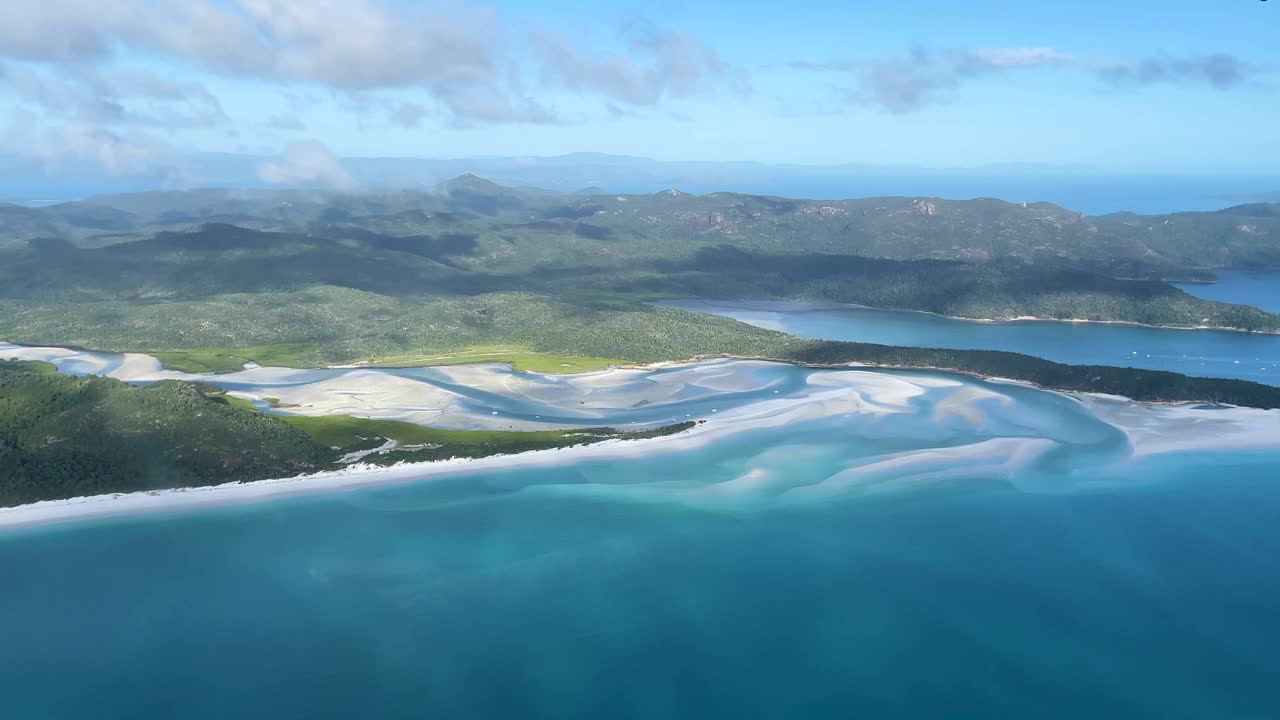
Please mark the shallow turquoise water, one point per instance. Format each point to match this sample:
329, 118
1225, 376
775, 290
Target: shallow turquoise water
1243, 287
976, 550
1206, 353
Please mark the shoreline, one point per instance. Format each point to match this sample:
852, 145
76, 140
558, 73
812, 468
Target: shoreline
832, 305
1153, 428
45, 513
735, 304
1130, 323
211, 376
761, 415
1074, 394
709, 357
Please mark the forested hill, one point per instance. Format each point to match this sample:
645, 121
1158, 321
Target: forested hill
64, 436
343, 278
899, 228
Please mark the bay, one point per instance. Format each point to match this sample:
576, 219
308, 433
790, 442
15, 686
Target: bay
1203, 353
1260, 289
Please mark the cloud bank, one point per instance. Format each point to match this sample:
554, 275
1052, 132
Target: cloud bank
307, 163
89, 68
672, 64
924, 76
457, 53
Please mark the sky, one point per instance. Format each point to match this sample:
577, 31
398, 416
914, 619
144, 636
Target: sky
1121, 86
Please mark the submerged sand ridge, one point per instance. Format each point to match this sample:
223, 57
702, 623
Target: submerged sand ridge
797, 435
485, 396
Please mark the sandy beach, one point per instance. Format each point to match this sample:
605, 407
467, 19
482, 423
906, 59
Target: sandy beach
771, 413
804, 306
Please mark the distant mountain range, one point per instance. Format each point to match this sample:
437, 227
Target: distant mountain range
1087, 190
670, 222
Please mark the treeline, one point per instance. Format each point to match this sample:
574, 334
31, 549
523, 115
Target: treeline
63, 436
1143, 385
996, 290
515, 443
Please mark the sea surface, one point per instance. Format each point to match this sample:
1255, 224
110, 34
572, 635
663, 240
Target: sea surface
1260, 289
1207, 353
829, 543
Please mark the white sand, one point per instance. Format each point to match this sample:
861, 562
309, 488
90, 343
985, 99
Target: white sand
358, 476
66, 360
774, 412
1154, 429
367, 394
876, 396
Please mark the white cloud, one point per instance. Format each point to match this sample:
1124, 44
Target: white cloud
905, 84
63, 146
307, 163
81, 64
1021, 57
1220, 71
353, 45
113, 98
670, 63
913, 81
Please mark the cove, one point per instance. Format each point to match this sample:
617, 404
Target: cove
1204, 353
1260, 289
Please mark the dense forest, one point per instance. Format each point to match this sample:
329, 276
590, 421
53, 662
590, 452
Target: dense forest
62, 436
342, 278
1144, 385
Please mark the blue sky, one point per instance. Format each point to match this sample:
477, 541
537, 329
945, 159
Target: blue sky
1121, 85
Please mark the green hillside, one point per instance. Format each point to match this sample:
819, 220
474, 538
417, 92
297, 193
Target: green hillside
362, 277
64, 436
899, 228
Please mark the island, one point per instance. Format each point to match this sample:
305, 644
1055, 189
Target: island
472, 272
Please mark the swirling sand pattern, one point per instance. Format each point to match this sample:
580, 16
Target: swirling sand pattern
859, 430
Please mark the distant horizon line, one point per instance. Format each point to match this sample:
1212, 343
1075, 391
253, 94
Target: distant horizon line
1093, 191
1265, 198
